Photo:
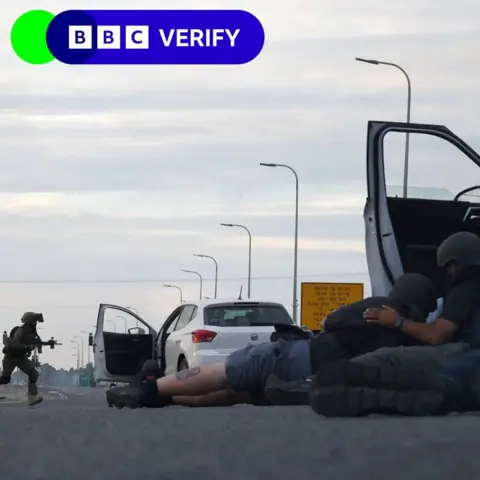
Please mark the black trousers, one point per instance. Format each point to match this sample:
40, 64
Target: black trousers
25, 365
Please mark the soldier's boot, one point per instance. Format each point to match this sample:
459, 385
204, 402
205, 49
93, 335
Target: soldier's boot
348, 388
34, 399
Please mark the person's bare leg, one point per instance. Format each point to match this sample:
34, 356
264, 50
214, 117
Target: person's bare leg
222, 398
194, 381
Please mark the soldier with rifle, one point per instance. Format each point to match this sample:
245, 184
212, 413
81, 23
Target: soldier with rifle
18, 347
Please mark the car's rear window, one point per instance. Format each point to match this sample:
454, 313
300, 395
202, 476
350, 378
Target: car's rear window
246, 315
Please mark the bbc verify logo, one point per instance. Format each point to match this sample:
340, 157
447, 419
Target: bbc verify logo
147, 37
138, 37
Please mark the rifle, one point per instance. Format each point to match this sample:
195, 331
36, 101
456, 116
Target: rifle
38, 344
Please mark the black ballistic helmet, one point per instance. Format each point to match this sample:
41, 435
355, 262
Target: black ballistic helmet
414, 294
32, 318
463, 248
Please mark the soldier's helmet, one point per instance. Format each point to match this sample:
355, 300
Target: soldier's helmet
463, 248
31, 318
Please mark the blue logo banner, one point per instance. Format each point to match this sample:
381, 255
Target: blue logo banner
155, 37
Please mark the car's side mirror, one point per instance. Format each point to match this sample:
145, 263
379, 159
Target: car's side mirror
90, 339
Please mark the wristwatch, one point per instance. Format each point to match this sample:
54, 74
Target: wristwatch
399, 322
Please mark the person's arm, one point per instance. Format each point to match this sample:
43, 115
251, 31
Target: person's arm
439, 331
455, 313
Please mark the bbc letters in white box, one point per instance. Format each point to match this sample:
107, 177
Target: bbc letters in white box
80, 37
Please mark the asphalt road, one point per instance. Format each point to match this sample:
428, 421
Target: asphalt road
74, 435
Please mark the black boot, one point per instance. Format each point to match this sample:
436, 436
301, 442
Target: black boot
136, 396
280, 392
348, 389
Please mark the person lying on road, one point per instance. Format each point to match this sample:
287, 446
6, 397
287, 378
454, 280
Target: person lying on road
243, 378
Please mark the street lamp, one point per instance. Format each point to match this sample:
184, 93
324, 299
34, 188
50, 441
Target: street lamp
124, 320
295, 248
179, 290
81, 340
216, 269
114, 325
199, 276
237, 225
409, 105
77, 344
136, 312
75, 354
88, 349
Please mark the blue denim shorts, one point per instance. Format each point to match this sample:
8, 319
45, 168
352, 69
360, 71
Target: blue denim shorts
248, 369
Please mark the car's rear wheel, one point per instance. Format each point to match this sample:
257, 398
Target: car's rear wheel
182, 364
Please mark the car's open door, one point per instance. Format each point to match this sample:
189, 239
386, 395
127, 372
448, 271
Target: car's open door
402, 234
119, 357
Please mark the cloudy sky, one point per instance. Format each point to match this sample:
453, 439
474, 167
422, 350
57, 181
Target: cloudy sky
112, 177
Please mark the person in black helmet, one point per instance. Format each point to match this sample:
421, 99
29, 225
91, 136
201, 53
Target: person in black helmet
244, 375
459, 257
417, 380
17, 348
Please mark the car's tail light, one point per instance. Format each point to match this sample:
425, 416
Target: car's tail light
203, 336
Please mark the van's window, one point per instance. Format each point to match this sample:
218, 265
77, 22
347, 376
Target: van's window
233, 315
438, 170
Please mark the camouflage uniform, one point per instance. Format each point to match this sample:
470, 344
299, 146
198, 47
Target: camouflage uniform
17, 350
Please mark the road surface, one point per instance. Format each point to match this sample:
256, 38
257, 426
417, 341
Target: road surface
74, 435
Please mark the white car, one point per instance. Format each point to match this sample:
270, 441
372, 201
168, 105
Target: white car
195, 333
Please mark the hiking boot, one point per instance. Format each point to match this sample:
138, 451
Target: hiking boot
352, 401
280, 392
128, 396
34, 399
351, 373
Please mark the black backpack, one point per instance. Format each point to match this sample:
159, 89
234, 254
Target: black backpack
12, 332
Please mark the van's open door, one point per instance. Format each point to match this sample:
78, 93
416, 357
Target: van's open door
402, 234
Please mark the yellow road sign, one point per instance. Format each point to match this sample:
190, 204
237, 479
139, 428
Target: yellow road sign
320, 299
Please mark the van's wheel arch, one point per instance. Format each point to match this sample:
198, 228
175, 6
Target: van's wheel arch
182, 364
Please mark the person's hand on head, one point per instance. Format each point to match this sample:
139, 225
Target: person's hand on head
386, 316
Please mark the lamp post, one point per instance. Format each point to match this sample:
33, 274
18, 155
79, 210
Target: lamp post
136, 312
81, 355
179, 290
124, 321
295, 248
409, 106
237, 225
216, 269
114, 325
77, 344
88, 349
75, 354
199, 276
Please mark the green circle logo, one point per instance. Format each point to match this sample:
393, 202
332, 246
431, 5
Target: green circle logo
29, 37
